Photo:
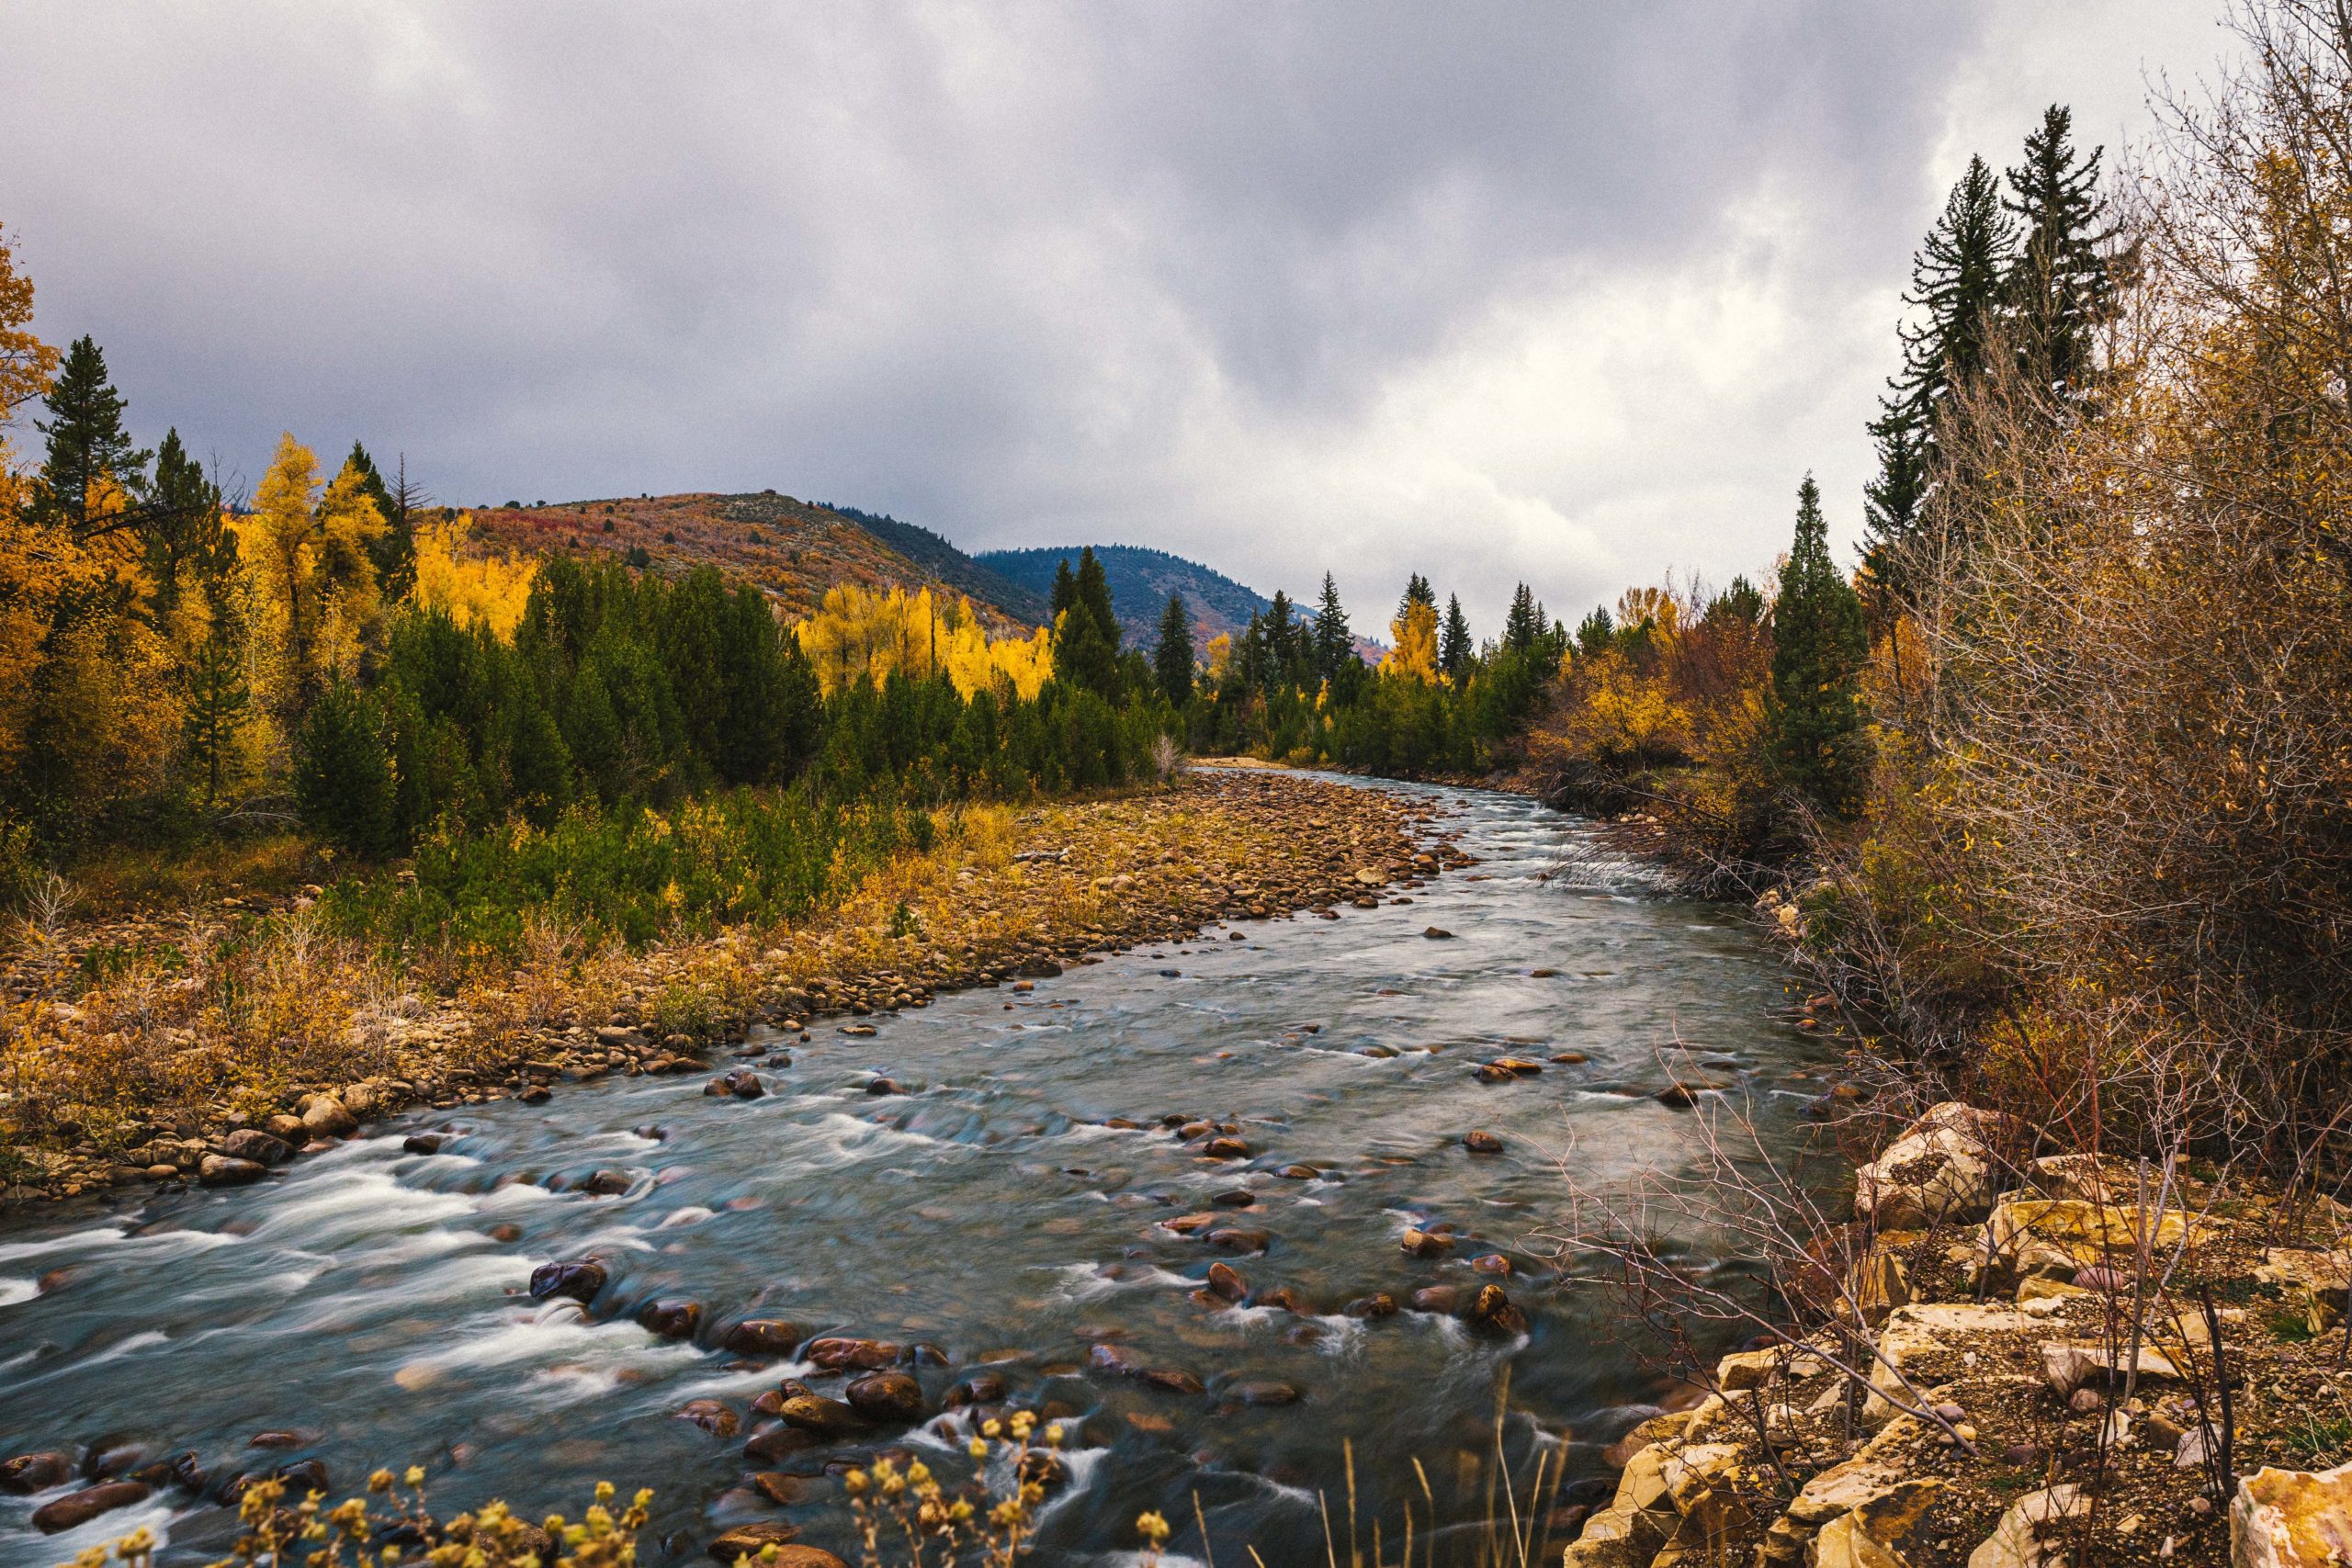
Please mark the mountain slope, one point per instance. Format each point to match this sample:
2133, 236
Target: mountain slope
936, 556
792, 549
1141, 580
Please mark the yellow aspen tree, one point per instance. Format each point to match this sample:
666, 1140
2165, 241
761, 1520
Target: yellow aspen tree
1415, 637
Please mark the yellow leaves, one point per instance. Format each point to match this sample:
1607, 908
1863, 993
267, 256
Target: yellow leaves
26, 362
1415, 638
858, 635
490, 589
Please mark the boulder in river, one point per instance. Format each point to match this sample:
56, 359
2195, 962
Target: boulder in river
1479, 1143
223, 1170
1492, 1310
1238, 1241
253, 1144
1170, 1379
838, 1353
76, 1509
710, 1414
886, 1396
815, 1413
1226, 1148
981, 1388
28, 1474
580, 1279
1380, 1304
1225, 1281
1264, 1392
774, 1442
760, 1337
670, 1319
750, 1540
1425, 1244
325, 1116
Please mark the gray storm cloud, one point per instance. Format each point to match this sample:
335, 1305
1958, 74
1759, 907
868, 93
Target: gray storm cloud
1571, 294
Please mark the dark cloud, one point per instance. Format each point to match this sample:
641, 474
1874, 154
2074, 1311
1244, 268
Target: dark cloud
1562, 293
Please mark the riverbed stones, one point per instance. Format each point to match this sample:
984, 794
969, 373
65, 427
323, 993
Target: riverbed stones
750, 1540
28, 1474
1378, 1305
1479, 1143
579, 1279
253, 1144
778, 1442
224, 1171
1425, 1244
760, 1337
670, 1319
711, 1415
1226, 1282
77, 1508
1265, 1392
815, 1413
325, 1116
886, 1396
1491, 1311
837, 1353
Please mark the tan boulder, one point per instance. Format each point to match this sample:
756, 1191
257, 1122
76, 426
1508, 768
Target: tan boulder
1920, 1329
1744, 1370
2021, 1539
2043, 1234
2292, 1518
1940, 1169
1618, 1538
2068, 1367
1844, 1543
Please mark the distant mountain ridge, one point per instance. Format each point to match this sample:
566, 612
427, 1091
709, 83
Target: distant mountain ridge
1141, 578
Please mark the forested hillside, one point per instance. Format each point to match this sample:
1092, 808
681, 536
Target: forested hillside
1140, 581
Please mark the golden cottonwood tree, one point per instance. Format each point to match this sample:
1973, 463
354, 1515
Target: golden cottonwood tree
315, 587
1414, 635
491, 588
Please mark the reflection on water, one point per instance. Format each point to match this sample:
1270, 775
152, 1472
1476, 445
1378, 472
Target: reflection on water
371, 1301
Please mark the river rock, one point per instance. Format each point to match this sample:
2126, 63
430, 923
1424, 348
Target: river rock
1444, 1300
1492, 1310
982, 1388
422, 1143
2072, 1366
1106, 1358
28, 1474
76, 1509
760, 1337
1479, 1143
710, 1414
776, 1487
778, 1440
1265, 1393
750, 1541
837, 1353
1240, 1242
815, 1413
579, 1279
1425, 1244
325, 1116
1378, 1305
670, 1319
253, 1144
1226, 1283
1170, 1379
608, 1183
1226, 1148
886, 1396
1237, 1197
223, 1170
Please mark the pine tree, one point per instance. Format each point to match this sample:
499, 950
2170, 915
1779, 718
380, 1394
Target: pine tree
1818, 649
181, 528
342, 773
86, 441
1086, 633
2062, 285
1596, 631
1333, 642
1523, 627
1957, 285
1454, 650
1094, 593
1282, 636
394, 552
1172, 661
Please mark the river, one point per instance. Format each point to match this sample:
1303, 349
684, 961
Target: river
369, 1305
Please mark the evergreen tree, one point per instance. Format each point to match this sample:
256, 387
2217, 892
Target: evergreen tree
1086, 633
182, 529
1596, 631
1957, 288
1333, 642
2062, 285
1281, 634
1455, 650
342, 773
1742, 601
394, 550
1172, 661
86, 438
1523, 628
1819, 647
1417, 591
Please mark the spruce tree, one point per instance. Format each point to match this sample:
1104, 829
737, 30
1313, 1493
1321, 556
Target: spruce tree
1281, 635
86, 438
182, 530
1818, 649
1172, 661
344, 784
1453, 647
2062, 285
1086, 655
1333, 642
1094, 593
1596, 632
1958, 286
393, 551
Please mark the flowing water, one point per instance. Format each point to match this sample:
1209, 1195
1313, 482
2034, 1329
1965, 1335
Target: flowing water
371, 1302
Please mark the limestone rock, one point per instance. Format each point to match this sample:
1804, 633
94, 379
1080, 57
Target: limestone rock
2072, 1366
2292, 1518
1940, 1169
2019, 1540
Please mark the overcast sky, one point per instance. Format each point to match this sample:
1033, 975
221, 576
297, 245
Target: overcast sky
1572, 293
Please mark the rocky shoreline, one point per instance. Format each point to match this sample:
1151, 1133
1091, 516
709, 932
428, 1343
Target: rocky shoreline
2019, 1361
1067, 882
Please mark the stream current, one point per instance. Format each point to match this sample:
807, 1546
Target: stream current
369, 1304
